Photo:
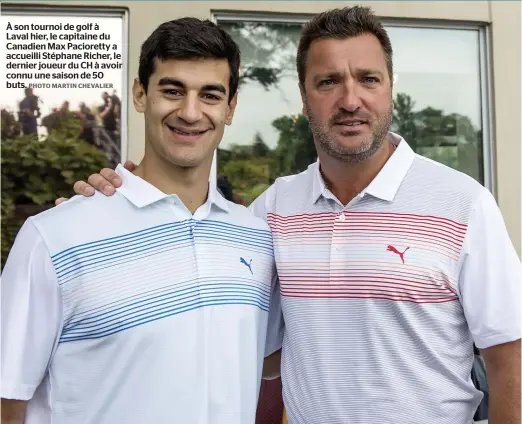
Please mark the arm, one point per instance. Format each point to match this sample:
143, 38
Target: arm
276, 325
102, 114
13, 411
31, 321
503, 369
490, 291
272, 366
106, 182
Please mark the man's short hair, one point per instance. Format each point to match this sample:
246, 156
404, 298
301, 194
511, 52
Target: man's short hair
189, 38
340, 24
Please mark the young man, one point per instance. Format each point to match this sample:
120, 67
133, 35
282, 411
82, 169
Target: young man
390, 265
158, 313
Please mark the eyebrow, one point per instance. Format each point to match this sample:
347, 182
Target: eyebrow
368, 71
340, 75
207, 87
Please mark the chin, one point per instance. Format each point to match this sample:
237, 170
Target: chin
355, 145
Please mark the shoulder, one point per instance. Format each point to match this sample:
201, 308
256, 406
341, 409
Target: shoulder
445, 178
243, 216
282, 188
81, 218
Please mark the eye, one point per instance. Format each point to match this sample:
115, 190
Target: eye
212, 97
371, 80
326, 82
172, 92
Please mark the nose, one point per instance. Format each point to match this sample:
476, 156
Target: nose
350, 99
190, 109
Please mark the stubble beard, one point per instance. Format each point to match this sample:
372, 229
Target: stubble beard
353, 155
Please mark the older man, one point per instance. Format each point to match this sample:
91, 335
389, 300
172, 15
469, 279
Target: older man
391, 266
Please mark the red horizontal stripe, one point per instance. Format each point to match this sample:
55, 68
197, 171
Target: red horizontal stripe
370, 215
337, 224
369, 288
385, 274
342, 225
390, 229
370, 297
445, 248
294, 285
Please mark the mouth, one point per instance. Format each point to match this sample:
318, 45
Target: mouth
186, 134
353, 123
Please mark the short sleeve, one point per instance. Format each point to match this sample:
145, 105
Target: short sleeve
490, 277
276, 326
31, 314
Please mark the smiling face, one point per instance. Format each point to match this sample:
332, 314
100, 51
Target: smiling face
347, 96
186, 109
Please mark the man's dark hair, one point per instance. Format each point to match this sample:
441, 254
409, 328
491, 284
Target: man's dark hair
340, 24
189, 38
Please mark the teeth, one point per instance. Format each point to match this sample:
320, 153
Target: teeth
184, 133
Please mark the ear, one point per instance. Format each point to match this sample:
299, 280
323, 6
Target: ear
303, 99
139, 97
230, 110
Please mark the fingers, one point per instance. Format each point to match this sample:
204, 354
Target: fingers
82, 188
100, 183
60, 200
130, 166
112, 177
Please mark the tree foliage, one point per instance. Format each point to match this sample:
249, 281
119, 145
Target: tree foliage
447, 138
35, 173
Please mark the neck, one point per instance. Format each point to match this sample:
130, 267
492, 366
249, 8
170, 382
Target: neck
347, 180
190, 184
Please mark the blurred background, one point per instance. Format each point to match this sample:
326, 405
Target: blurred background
456, 96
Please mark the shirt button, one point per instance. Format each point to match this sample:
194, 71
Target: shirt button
342, 217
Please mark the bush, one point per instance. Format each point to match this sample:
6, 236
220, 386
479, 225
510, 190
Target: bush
35, 173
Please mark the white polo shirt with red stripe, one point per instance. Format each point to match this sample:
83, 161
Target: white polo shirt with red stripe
383, 298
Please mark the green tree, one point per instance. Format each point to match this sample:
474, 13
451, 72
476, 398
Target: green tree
295, 146
259, 148
403, 121
10, 126
34, 173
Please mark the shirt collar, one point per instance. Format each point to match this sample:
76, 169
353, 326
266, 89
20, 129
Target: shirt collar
387, 182
141, 193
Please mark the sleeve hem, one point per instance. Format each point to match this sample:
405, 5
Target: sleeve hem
17, 391
272, 349
495, 340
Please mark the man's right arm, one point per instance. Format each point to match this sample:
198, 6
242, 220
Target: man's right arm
31, 321
13, 411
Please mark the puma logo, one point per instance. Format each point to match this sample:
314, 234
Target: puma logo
247, 264
394, 250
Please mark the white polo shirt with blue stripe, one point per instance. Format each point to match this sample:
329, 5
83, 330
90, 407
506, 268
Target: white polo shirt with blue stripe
129, 309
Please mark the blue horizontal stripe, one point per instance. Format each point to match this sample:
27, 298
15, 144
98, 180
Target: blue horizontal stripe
113, 242
172, 296
164, 314
110, 263
140, 247
86, 264
211, 222
247, 282
162, 290
84, 261
88, 252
